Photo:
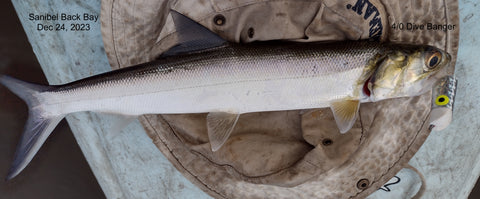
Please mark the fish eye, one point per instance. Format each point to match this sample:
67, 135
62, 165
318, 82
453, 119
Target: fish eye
433, 60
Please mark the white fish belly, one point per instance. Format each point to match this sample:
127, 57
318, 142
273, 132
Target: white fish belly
235, 97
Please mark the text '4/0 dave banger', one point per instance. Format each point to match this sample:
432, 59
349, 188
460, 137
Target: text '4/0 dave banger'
45, 21
425, 26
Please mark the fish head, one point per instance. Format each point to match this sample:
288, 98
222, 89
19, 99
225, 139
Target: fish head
405, 72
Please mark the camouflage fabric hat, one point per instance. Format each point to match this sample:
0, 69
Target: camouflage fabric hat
287, 154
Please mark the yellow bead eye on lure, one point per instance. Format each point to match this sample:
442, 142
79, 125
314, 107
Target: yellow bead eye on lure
442, 100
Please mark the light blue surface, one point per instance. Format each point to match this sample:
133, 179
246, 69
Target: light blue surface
126, 164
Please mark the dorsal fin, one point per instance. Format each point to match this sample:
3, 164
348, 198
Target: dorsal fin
192, 36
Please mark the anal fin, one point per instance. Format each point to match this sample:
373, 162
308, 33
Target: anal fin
345, 113
220, 125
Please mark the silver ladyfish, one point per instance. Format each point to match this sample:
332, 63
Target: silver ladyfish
230, 79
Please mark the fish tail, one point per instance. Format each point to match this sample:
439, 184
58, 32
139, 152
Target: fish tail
39, 124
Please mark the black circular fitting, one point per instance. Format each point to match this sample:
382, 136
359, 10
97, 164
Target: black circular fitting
251, 32
327, 142
363, 184
219, 20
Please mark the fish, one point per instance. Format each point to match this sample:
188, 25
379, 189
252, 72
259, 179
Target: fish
206, 74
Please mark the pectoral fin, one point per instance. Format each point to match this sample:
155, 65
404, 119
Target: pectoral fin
220, 125
345, 113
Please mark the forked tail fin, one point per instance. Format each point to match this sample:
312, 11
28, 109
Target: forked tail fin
38, 127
